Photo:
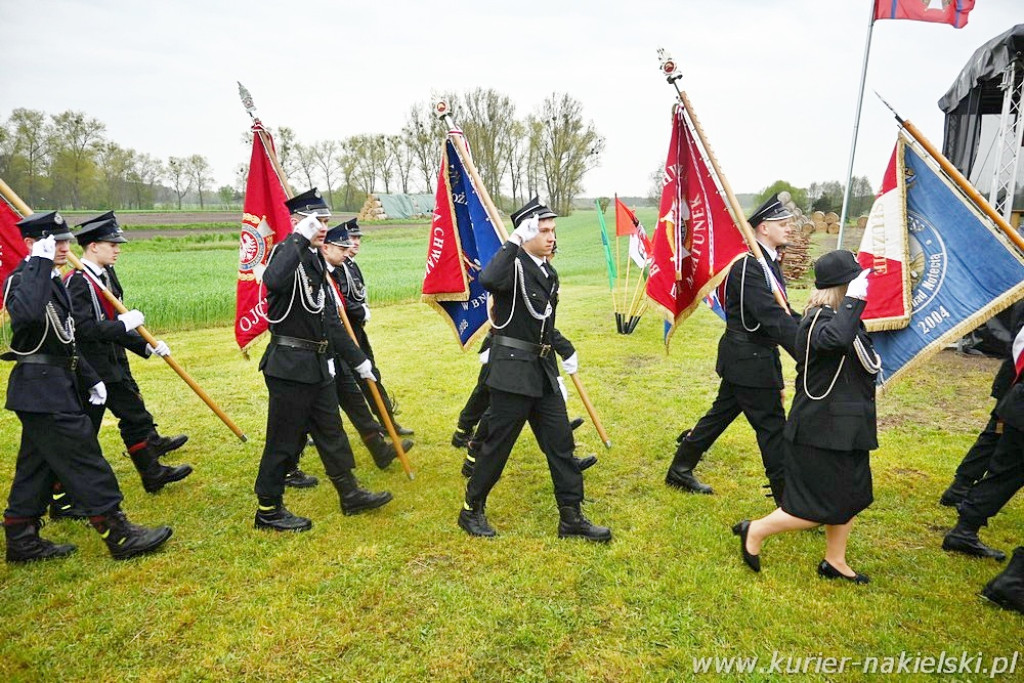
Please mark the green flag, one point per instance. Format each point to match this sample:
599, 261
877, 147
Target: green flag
612, 271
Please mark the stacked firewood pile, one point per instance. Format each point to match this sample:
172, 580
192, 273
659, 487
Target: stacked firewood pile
797, 260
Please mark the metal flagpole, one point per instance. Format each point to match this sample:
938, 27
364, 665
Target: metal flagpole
856, 127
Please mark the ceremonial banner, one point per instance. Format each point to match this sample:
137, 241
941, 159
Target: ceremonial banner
696, 239
625, 220
463, 238
265, 222
884, 248
12, 248
963, 269
952, 12
608, 260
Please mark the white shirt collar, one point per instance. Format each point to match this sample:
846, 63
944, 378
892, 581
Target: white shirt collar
538, 260
330, 268
771, 252
95, 269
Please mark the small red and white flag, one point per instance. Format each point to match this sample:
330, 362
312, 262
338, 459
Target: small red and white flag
1018, 353
884, 249
952, 12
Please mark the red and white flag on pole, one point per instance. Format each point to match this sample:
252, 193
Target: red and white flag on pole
626, 223
12, 247
1018, 353
696, 239
265, 222
952, 12
884, 248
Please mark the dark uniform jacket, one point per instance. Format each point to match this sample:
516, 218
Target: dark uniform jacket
298, 364
843, 420
1010, 408
341, 341
511, 369
42, 388
102, 339
751, 358
353, 288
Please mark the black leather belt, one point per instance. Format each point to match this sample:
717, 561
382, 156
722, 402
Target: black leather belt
297, 343
540, 350
743, 336
69, 362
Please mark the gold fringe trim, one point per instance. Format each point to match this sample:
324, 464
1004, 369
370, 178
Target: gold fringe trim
698, 300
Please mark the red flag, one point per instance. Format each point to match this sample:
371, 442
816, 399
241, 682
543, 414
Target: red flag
884, 249
265, 221
445, 278
696, 239
625, 220
12, 247
952, 12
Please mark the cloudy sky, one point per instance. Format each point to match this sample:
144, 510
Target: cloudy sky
774, 82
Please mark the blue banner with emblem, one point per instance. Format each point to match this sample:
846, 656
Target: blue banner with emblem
464, 239
963, 269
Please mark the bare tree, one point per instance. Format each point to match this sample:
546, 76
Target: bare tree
75, 140
517, 152
366, 150
488, 119
305, 162
348, 164
403, 159
383, 157
568, 148
180, 177
30, 136
325, 158
115, 164
199, 170
422, 138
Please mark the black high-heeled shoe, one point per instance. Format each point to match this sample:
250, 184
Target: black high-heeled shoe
827, 571
741, 529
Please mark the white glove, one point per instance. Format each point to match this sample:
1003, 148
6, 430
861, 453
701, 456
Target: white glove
132, 319
161, 349
308, 227
45, 248
485, 356
365, 369
330, 367
366, 313
257, 272
858, 288
571, 364
527, 230
98, 394
565, 392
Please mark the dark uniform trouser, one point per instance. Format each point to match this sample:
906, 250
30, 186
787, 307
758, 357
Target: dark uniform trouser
364, 345
763, 410
61, 446
477, 402
351, 399
295, 409
975, 463
1004, 478
550, 424
125, 401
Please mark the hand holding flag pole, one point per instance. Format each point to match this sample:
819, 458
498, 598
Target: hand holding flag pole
672, 75
25, 210
957, 177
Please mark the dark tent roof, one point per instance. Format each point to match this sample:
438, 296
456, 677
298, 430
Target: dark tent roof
986, 64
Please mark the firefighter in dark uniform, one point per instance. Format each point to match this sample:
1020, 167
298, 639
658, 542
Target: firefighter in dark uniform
523, 375
46, 389
103, 336
748, 358
350, 396
298, 369
357, 306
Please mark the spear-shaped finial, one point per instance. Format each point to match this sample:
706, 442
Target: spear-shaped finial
246, 98
899, 119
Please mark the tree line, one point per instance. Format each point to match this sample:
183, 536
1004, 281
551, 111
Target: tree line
67, 159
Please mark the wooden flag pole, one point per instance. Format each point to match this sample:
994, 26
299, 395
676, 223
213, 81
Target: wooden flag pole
378, 400
590, 410
670, 69
25, 210
958, 178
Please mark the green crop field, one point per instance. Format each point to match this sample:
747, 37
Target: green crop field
403, 594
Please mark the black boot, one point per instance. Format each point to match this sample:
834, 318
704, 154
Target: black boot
162, 445
155, 475
62, 505
461, 437
777, 486
298, 479
276, 517
576, 423
472, 453
680, 472
963, 538
586, 462
1007, 588
355, 499
473, 520
124, 539
24, 544
382, 451
572, 523
956, 492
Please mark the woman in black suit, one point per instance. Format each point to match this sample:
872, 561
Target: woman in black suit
831, 425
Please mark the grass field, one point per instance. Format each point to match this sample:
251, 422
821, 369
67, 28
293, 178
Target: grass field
403, 594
